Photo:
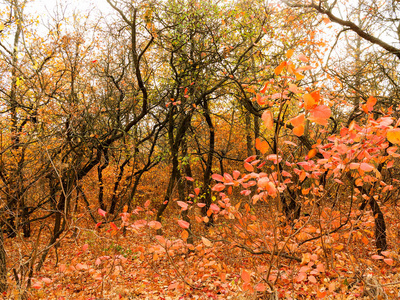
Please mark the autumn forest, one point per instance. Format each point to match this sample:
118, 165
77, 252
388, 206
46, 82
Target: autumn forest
200, 149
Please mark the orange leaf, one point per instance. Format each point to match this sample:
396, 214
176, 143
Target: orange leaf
297, 121
321, 295
309, 101
370, 103
293, 88
184, 235
245, 276
248, 167
298, 130
393, 135
289, 53
264, 89
262, 146
261, 287
268, 119
326, 20
206, 242
316, 95
298, 75
279, 69
312, 153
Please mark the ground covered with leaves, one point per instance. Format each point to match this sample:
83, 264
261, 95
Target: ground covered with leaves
239, 257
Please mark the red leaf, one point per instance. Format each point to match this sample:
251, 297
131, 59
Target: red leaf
113, 226
303, 58
312, 279
366, 167
101, 212
155, 225
236, 174
218, 187
321, 112
389, 261
47, 280
182, 204
250, 158
228, 178
217, 177
189, 178
197, 191
183, 224
301, 276
214, 207
37, 285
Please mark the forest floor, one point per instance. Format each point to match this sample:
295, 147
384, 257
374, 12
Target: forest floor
100, 263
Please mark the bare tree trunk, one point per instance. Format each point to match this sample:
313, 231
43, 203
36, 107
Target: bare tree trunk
3, 266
